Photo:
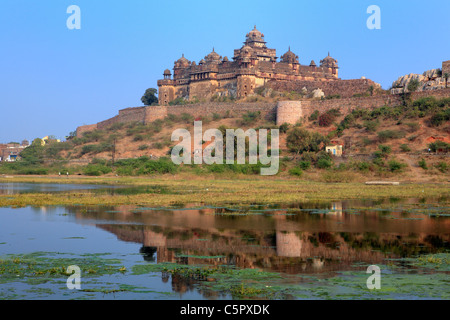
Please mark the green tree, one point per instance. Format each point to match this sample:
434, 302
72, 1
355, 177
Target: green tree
33, 154
149, 97
300, 140
446, 76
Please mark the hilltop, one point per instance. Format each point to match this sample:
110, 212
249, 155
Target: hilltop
387, 142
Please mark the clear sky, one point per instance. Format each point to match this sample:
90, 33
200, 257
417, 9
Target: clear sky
53, 79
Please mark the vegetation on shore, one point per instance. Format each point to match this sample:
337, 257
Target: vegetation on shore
188, 189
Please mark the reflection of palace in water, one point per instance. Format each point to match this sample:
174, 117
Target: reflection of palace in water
312, 240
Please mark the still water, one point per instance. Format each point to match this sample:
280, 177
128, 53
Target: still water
301, 251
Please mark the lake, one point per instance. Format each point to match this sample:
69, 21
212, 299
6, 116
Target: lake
311, 250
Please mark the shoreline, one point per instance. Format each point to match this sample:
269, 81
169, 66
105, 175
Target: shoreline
169, 190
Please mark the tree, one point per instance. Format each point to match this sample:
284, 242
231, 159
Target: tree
149, 97
446, 76
300, 140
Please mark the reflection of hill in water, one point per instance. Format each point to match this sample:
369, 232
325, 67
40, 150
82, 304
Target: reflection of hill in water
304, 242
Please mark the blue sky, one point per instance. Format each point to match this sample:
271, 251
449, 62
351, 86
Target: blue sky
54, 79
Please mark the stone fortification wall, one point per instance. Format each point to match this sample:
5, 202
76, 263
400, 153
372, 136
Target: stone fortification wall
344, 88
283, 111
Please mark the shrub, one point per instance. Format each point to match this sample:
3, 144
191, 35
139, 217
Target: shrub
216, 116
413, 126
33, 171
314, 116
296, 171
143, 147
324, 163
366, 141
96, 170
88, 149
284, 127
405, 148
442, 166
395, 166
304, 165
326, 119
413, 85
171, 117
157, 145
371, 126
423, 164
161, 166
440, 117
187, 118
250, 117
363, 166
385, 150
386, 135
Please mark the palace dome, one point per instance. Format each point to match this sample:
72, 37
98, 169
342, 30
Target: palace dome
182, 62
289, 57
329, 62
255, 35
213, 57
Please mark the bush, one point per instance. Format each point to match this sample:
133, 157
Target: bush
250, 117
442, 166
395, 166
161, 166
423, 164
366, 141
405, 148
88, 149
187, 118
296, 171
324, 163
371, 126
413, 85
314, 116
326, 119
284, 127
157, 145
386, 135
385, 150
143, 147
363, 166
413, 126
304, 165
440, 117
96, 170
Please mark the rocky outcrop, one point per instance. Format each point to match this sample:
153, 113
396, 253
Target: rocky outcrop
429, 80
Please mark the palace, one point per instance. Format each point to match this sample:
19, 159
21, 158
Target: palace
253, 65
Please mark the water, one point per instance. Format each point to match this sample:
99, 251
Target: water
295, 245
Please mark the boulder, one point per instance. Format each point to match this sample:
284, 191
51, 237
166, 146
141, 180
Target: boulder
318, 93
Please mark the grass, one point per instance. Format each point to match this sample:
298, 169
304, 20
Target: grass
206, 190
